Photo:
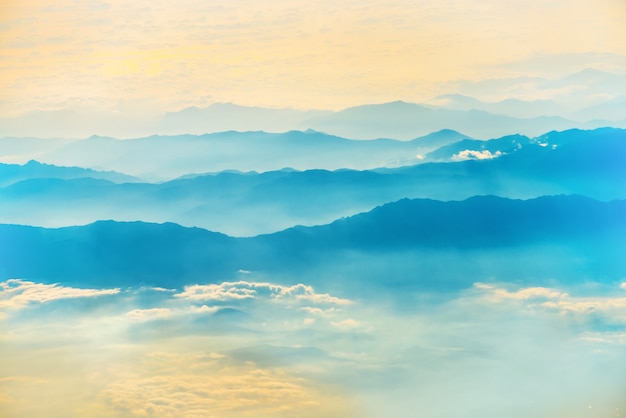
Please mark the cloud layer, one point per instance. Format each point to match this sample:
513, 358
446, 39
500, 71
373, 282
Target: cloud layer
263, 349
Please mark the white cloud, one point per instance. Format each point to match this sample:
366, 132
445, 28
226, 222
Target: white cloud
348, 323
218, 292
522, 294
469, 154
324, 298
616, 306
16, 293
252, 290
318, 311
623, 286
552, 300
161, 289
204, 309
148, 314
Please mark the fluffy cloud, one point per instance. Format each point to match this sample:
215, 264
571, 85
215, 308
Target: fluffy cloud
475, 155
251, 290
495, 345
17, 293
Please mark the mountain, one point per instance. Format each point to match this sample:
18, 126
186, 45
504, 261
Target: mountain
475, 149
416, 242
14, 173
516, 108
505, 106
220, 117
562, 96
403, 120
165, 157
613, 110
243, 204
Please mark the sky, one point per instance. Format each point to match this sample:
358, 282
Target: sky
138, 57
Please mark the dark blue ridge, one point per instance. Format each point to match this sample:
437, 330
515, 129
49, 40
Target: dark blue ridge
123, 253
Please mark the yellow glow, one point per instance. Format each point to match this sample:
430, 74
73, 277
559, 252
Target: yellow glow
327, 54
127, 381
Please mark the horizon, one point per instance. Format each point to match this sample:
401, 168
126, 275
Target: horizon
149, 57
338, 208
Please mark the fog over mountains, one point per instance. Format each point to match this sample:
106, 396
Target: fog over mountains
587, 163
531, 106
545, 232
309, 273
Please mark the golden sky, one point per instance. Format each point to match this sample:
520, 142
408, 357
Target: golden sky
142, 56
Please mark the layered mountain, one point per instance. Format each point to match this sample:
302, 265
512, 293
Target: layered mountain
243, 204
164, 157
403, 120
482, 109
417, 242
14, 173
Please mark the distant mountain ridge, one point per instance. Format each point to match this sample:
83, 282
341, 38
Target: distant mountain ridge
14, 173
164, 157
404, 120
589, 163
587, 99
170, 255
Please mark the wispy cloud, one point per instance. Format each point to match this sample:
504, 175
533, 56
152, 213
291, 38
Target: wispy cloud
611, 308
497, 345
521, 294
16, 293
148, 314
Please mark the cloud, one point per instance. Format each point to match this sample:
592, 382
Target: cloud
612, 309
475, 155
173, 385
16, 293
522, 294
324, 298
148, 314
498, 346
217, 292
347, 324
252, 290
318, 311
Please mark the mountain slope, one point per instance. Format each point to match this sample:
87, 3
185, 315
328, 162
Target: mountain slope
588, 163
403, 120
14, 173
401, 237
174, 156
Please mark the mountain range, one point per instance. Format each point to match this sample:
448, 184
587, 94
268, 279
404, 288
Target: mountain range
443, 244
588, 163
587, 99
166, 157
